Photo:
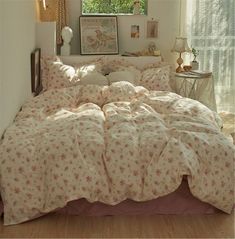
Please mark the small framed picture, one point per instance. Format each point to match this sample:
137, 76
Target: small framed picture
152, 29
36, 85
98, 35
135, 31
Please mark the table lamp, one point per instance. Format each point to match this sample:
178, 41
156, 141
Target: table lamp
180, 46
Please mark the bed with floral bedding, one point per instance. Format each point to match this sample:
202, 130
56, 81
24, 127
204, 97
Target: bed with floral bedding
109, 143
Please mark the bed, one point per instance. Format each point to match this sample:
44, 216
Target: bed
107, 136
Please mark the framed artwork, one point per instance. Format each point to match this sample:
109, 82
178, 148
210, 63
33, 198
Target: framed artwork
152, 29
98, 35
135, 31
36, 85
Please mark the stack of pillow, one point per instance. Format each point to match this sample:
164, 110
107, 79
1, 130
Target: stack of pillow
55, 74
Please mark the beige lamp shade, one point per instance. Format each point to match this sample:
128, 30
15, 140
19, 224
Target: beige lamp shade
181, 45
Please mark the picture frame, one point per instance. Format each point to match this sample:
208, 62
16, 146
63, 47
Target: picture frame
152, 29
135, 31
36, 84
98, 35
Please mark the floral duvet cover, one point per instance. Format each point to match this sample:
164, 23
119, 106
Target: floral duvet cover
108, 144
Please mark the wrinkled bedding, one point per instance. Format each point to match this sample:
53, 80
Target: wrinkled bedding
109, 144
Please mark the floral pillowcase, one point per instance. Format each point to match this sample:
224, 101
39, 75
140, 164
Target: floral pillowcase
156, 78
61, 76
45, 69
56, 75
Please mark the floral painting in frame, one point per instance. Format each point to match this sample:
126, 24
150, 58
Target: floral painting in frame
98, 35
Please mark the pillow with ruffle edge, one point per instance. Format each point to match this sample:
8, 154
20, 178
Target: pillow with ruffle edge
86, 67
61, 75
156, 78
45, 69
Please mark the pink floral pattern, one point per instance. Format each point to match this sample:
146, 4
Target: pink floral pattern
45, 69
61, 75
156, 78
108, 144
56, 74
115, 65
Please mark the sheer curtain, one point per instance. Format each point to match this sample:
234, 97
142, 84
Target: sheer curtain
210, 28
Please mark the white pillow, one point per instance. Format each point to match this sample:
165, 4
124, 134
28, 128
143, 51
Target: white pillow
85, 69
134, 70
94, 78
121, 76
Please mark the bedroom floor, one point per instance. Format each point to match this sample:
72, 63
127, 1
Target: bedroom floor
158, 226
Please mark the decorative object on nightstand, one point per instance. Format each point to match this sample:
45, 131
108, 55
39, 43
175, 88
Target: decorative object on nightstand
66, 35
197, 85
187, 68
195, 63
180, 46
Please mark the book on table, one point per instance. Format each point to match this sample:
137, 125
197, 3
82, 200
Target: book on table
201, 73
194, 74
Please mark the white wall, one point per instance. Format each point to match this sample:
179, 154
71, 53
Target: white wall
1, 67
46, 30
17, 31
167, 12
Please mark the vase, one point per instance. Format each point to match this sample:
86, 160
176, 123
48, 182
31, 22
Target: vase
195, 65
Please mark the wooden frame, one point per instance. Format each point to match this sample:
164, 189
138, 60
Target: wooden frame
135, 31
152, 29
98, 35
36, 84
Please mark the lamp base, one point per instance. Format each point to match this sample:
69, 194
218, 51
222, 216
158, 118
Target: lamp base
180, 62
179, 69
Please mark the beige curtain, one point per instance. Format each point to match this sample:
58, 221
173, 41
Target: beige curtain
56, 10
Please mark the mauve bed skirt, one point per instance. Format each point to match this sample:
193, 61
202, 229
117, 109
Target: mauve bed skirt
180, 201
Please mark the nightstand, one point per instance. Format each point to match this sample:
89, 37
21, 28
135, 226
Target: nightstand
200, 88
